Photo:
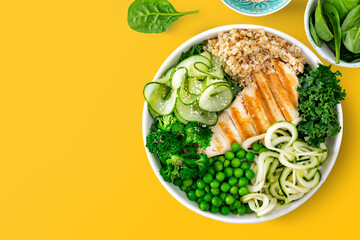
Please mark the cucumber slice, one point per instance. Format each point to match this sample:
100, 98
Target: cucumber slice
207, 55
179, 118
189, 64
184, 96
152, 113
164, 79
178, 77
196, 86
211, 80
169, 72
161, 98
192, 113
216, 97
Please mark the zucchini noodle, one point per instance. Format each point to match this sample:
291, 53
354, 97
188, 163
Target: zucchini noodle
287, 172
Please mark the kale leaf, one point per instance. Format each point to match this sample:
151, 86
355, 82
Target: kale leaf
319, 93
194, 50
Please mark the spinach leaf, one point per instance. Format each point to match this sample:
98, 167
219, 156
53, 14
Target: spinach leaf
351, 39
352, 19
153, 16
350, 4
340, 7
319, 93
194, 50
348, 56
333, 17
321, 27
315, 37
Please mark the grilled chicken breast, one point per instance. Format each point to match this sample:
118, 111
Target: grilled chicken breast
269, 98
241, 119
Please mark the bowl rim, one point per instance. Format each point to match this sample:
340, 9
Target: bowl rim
311, 4
255, 14
245, 219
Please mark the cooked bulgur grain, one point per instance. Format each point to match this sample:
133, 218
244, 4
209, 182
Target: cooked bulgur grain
244, 51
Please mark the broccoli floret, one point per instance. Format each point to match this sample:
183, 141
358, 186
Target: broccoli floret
189, 173
178, 128
170, 123
198, 134
164, 122
202, 162
153, 128
163, 142
184, 168
171, 171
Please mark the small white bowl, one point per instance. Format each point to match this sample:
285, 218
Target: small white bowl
324, 51
333, 144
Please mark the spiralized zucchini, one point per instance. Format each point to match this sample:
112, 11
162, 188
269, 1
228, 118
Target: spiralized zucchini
285, 173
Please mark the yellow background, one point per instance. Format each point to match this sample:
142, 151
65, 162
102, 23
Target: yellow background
72, 160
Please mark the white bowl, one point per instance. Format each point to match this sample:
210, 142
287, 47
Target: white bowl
333, 144
324, 51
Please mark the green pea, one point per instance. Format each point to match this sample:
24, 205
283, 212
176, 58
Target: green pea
225, 187
183, 188
263, 150
199, 200
177, 182
200, 184
199, 192
243, 182
249, 174
208, 178
214, 183
207, 188
233, 181
238, 172
256, 146
193, 186
204, 206
235, 147
214, 209
229, 200
228, 171
218, 166
215, 191
237, 204
223, 196
191, 195
225, 210
226, 163
241, 154
216, 201
220, 176
211, 161
235, 163
243, 191
245, 165
211, 170
248, 209
229, 155
221, 159
207, 197
250, 156
188, 182
234, 190
241, 210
